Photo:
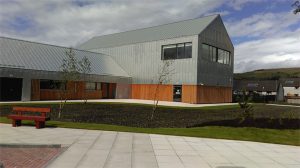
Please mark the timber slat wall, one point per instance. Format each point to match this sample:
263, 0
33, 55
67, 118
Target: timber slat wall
214, 94
35, 89
75, 90
147, 92
189, 94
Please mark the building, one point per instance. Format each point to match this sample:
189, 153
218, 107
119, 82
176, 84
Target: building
127, 64
290, 90
261, 90
201, 49
31, 71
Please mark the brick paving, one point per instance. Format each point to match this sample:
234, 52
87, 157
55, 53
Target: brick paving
27, 157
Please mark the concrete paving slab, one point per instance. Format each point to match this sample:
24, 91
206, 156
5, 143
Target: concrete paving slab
90, 148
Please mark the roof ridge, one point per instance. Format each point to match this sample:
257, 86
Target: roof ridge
156, 26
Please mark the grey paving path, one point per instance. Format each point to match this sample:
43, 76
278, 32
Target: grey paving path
88, 148
163, 103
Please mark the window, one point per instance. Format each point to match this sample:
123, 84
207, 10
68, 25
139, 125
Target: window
177, 51
52, 84
98, 86
221, 56
169, 52
188, 50
90, 86
215, 54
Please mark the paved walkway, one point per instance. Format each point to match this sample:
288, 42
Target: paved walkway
91, 148
163, 103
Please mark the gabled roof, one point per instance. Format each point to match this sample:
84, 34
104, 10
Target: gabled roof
166, 31
36, 56
290, 82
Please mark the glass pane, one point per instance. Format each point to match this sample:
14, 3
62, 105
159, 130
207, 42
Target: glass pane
214, 56
51, 84
180, 51
188, 50
220, 56
98, 86
90, 86
205, 49
169, 52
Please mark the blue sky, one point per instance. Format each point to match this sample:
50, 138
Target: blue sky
265, 33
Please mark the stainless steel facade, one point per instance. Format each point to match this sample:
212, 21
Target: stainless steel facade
142, 60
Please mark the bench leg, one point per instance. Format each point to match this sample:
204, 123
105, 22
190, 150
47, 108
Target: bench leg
39, 124
16, 123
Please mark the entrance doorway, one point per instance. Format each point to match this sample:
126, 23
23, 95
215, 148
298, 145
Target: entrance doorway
177, 92
11, 89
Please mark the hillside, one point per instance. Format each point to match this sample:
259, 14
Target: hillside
270, 74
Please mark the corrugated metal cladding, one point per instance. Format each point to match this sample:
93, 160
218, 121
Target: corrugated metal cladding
167, 31
213, 73
143, 61
42, 57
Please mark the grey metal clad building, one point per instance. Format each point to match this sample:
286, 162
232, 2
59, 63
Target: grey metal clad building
202, 55
127, 64
24, 65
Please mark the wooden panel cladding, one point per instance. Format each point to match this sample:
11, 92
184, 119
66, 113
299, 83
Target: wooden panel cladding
214, 94
75, 90
147, 91
35, 89
189, 94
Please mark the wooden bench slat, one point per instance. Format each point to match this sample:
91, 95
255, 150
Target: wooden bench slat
32, 109
36, 118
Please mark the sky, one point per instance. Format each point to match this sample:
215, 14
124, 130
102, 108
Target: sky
265, 33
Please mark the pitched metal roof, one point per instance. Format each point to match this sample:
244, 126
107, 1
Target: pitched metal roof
36, 56
256, 85
166, 31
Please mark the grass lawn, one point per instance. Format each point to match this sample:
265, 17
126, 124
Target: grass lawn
288, 137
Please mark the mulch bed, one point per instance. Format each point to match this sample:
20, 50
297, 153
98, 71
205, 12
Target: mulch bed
137, 115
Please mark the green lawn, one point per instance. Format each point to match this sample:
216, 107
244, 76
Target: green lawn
288, 137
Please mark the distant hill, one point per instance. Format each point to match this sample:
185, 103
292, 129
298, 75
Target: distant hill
269, 74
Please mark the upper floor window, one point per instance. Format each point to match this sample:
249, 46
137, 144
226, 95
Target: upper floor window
215, 54
177, 51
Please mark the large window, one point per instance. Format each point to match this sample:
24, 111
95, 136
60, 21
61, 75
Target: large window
215, 54
52, 84
177, 51
92, 86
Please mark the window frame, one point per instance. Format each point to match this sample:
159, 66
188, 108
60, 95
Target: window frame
55, 83
226, 60
176, 47
89, 89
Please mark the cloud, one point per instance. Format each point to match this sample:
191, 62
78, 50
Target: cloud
267, 39
71, 22
262, 24
271, 52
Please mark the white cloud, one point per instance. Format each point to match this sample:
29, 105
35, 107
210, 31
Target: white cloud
68, 23
262, 24
65, 23
270, 52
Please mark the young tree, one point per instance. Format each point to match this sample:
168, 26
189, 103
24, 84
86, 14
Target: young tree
85, 69
70, 72
244, 102
164, 76
296, 4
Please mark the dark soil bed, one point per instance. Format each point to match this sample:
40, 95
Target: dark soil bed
137, 115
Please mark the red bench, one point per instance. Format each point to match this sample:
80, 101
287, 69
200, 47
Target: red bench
38, 119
